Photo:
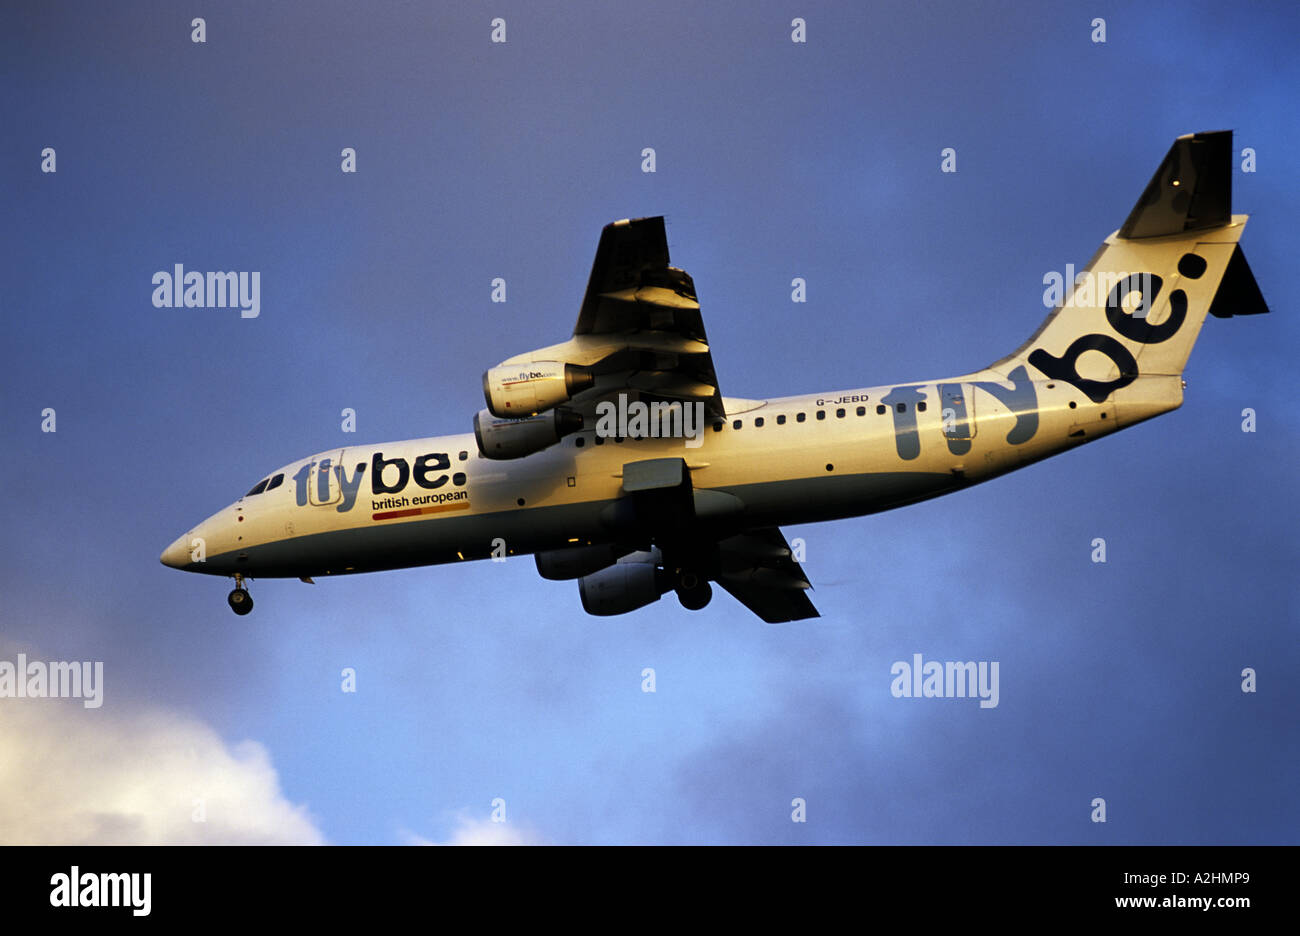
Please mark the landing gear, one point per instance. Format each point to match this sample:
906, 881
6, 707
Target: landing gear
693, 591
240, 601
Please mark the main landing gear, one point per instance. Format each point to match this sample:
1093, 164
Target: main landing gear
693, 591
241, 602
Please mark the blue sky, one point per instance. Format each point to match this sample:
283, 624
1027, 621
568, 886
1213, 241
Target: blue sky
774, 160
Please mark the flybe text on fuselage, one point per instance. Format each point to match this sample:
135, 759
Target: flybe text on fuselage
428, 472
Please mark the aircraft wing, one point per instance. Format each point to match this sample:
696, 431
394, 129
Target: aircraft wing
647, 310
757, 568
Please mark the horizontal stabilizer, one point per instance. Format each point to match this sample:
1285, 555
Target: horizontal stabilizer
1238, 292
1191, 191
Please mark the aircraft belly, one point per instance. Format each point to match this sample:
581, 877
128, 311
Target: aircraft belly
454, 539
410, 543
837, 496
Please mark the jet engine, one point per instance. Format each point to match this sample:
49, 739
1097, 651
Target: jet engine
576, 561
516, 390
515, 438
633, 582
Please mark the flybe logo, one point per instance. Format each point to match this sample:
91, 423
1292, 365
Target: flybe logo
387, 476
1128, 325
905, 402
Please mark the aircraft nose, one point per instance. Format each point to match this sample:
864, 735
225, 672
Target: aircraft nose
177, 555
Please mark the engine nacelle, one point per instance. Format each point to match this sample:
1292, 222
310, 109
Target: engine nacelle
515, 438
633, 582
513, 391
576, 561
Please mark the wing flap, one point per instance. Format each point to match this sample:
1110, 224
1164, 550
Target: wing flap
759, 570
638, 302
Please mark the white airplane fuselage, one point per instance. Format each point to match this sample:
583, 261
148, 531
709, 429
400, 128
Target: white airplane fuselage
831, 464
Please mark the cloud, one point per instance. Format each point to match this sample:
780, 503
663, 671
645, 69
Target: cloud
69, 775
478, 832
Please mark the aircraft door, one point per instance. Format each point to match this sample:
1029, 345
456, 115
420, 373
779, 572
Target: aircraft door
323, 487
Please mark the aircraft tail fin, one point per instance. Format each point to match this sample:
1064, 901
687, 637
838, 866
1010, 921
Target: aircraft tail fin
1137, 308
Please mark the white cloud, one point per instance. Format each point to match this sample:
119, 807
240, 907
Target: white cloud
71, 775
478, 832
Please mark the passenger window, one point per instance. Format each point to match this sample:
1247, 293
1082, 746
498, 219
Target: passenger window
258, 488
920, 407
839, 413
862, 411
758, 422
717, 426
902, 407
799, 417
275, 482
464, 455
821, 414
736, 424
780, 420
579, 442
880, 409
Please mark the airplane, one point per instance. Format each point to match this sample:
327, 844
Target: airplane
614, 459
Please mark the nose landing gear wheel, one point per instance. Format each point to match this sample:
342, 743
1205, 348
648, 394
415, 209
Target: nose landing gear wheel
240, 601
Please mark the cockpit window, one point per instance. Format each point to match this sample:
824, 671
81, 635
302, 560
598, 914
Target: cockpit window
267, 484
